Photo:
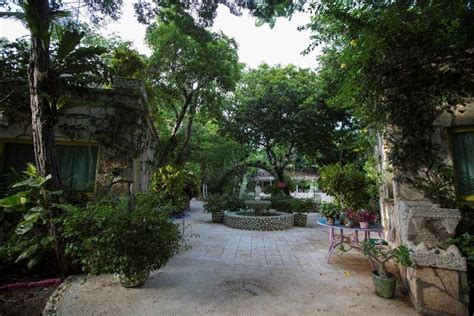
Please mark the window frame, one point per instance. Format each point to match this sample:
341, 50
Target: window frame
451, 132
4, 141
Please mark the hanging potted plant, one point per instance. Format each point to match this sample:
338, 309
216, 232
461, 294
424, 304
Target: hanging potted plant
385, 282
330, 211
365, 218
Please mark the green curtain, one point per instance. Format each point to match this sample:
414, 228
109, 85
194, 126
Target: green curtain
463, 156
78, 167
77, 164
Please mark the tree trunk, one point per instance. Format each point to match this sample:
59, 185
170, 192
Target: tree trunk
165, 155
183, 151
43, 93
42, 112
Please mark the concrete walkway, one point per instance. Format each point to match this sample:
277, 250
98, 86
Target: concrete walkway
236, 272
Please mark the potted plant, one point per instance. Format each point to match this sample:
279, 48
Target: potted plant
365, 218
300, 208
218, 204
348, 218
330, 211
114, 238
384, 281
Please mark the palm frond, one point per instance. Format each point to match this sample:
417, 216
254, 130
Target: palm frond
17, 16
69, 39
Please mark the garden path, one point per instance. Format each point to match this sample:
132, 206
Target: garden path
236, 272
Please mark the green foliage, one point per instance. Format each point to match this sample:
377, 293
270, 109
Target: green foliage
401, 255
465, 242
281, 203
190, 70
436, 181
398, 65
107, 238
34, 211
347, 184
212, 155
329, 209
220, 203
291, 117
303, 205
174, 186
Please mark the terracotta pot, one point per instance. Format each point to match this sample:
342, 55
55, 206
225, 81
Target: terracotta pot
330, 220
364, 225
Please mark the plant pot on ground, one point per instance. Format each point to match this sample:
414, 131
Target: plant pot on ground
384, 281
217, 217
218, 204
300, 219
330, 211
119, 238
300, 208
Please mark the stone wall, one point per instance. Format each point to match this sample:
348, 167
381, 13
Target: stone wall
114, 119
437, 283
280, 221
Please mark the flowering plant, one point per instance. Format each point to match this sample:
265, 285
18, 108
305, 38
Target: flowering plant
366, 216
352, 215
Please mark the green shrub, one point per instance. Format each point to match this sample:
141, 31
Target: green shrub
106, 238
33, 214
174, 186
281, 203
347, 184
302, 205
219, 203
328, 209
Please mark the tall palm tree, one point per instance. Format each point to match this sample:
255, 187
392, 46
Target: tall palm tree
39, 16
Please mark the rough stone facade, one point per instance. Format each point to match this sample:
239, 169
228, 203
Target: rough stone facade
115, 120
280, 221
437, 283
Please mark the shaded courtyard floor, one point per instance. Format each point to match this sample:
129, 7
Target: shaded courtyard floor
237, 272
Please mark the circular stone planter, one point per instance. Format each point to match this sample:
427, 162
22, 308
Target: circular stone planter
248, 221
134, 280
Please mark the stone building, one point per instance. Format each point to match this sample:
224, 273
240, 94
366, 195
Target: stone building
437, 284
105, 139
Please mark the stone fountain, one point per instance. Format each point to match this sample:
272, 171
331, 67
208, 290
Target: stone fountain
259, 216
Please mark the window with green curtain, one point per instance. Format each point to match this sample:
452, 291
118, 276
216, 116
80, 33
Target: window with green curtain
77, 164
463, 158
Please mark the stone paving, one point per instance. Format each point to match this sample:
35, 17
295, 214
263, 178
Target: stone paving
237, 272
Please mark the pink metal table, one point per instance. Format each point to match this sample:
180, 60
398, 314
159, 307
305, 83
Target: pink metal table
334, 242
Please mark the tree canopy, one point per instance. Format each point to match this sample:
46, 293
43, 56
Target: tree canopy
190, 69
279, 110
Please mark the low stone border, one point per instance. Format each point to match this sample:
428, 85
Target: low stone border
54, 300
281, 221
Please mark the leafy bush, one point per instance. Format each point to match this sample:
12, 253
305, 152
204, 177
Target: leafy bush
107, 238
34, 214
328, 209
219, 203
281, 203
174, 186
302, 205
347, 184
400, 255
